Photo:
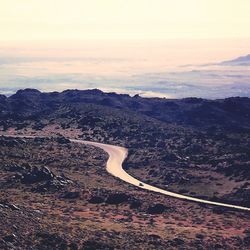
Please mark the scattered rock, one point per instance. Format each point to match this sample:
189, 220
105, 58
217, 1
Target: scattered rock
177, 242
50, 241
43, 177
91, 245
9, 206
218, 246
8, 141
14, 168
13, 207
247, 240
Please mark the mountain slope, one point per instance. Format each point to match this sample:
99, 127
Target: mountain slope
189, 145
240, 61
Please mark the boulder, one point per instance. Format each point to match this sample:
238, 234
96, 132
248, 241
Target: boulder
170, 157
135, 204
52, 185
71, 195
10, 238
37, 175
156, 209
117, 198
62, 140
96, 200
13, 207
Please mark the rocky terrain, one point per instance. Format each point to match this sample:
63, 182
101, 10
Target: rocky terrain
57, 195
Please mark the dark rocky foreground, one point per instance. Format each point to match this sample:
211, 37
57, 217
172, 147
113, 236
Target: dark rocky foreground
192, 146
58, 196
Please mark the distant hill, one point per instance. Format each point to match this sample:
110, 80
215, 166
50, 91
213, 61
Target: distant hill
230, 113
240, 61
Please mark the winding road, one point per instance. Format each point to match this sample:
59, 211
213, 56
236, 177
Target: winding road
117, 155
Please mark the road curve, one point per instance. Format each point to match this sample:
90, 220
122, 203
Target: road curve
117, 155
114, 166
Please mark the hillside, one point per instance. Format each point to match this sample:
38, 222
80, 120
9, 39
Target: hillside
229, 113
192, 146
240, 61
170, 141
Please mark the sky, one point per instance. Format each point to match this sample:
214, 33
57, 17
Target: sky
170, 48
53, 20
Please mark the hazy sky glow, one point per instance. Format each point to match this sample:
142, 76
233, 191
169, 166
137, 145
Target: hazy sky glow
169, 48
47, 20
